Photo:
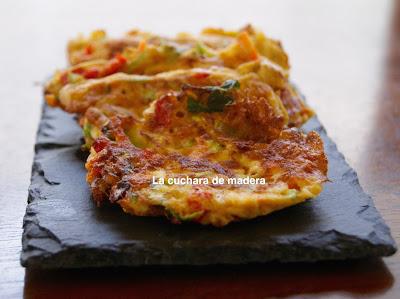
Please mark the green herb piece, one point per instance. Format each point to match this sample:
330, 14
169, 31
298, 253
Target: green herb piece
217, 100
195, 106
230, 84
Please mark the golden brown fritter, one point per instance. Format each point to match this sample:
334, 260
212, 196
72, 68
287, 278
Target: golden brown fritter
294, 166
245, 109
244, 51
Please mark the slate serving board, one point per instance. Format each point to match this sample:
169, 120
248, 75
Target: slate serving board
63, 228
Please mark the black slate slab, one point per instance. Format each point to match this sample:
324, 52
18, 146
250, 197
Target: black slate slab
63, 228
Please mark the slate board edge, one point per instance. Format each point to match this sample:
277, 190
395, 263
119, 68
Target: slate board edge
81, 256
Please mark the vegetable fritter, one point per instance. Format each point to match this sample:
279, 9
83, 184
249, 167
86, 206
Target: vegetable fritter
294, 166
244, 51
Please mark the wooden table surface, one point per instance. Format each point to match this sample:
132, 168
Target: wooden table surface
345, 56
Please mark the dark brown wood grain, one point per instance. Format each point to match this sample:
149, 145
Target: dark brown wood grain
363, 116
